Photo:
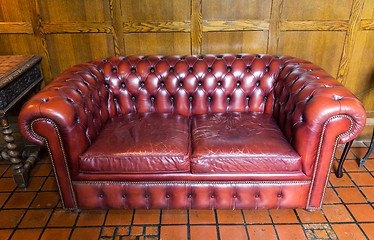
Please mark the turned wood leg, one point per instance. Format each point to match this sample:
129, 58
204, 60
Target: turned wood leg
363, 160
20, 169
339, 171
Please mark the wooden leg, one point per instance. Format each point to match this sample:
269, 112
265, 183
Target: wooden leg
363, 160
339, 171
20, 169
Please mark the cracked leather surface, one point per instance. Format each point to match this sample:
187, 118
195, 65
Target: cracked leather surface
240, 142
140, 143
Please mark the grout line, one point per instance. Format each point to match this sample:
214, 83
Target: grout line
188, 225
217, 225
103, 224
345, 205
272, 222
245, 223
28, 208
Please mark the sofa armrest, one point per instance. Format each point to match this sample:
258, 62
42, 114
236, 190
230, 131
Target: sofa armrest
76, 103
315, 112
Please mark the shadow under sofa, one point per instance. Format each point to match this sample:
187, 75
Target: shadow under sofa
230, 131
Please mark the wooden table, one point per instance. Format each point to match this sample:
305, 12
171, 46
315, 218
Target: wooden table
19, 74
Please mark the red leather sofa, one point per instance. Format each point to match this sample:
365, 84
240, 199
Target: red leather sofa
208, 131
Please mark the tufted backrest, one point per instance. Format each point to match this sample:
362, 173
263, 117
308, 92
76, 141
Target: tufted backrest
190, 85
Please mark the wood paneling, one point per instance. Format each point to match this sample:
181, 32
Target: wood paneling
13, 11
156, 10
157, 43
236, 10
316, 9
362, 67
319, 47
63, 49
335, 34
74, 11
17, 44
234, 42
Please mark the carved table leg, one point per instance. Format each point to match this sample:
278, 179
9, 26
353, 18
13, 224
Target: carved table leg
20, 169
363, 160
339, 171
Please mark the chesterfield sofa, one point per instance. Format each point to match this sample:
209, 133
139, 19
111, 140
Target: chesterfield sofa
224, 131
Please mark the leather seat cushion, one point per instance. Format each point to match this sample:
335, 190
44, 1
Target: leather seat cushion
240, 143
140, 143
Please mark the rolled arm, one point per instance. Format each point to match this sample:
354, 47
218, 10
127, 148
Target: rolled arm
315, 112
75, 103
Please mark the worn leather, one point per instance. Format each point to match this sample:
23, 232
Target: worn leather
140, 143
240, 143
313, 111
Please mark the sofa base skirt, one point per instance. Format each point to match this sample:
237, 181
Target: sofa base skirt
191, 195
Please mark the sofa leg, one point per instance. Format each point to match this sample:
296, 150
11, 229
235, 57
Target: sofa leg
309, 210
76, 210
339, 171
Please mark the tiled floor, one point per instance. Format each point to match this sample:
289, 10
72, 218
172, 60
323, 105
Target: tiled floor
36, 213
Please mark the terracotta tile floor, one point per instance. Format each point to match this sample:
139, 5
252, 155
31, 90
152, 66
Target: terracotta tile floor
36, 213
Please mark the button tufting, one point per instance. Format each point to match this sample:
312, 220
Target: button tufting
258, 83
248, 69
142, 83
200, 83
247, 98
212, 196
238, 83
101, 195
152, 69
181, 84
279, 195
171, 98
123, 195
190, 98
234, 196
219, 83
167, 196
133, 98
265, 98
257, 195
209, 69
267, 69
69, 100
228, 98
229, 69
171, 70
114, 70
115, 99
162, 83
146, 196
258, 56
133, 70
209, 98
189, 195
123, 85
152, 98
190, 70
106, 85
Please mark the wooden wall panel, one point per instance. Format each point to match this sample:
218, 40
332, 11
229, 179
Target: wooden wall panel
319, 47
17, 44
234, 42
236, 10
156, 10
362, 68
70, 49
74, 11
157, 43
368, 10
13, 11
316, 9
